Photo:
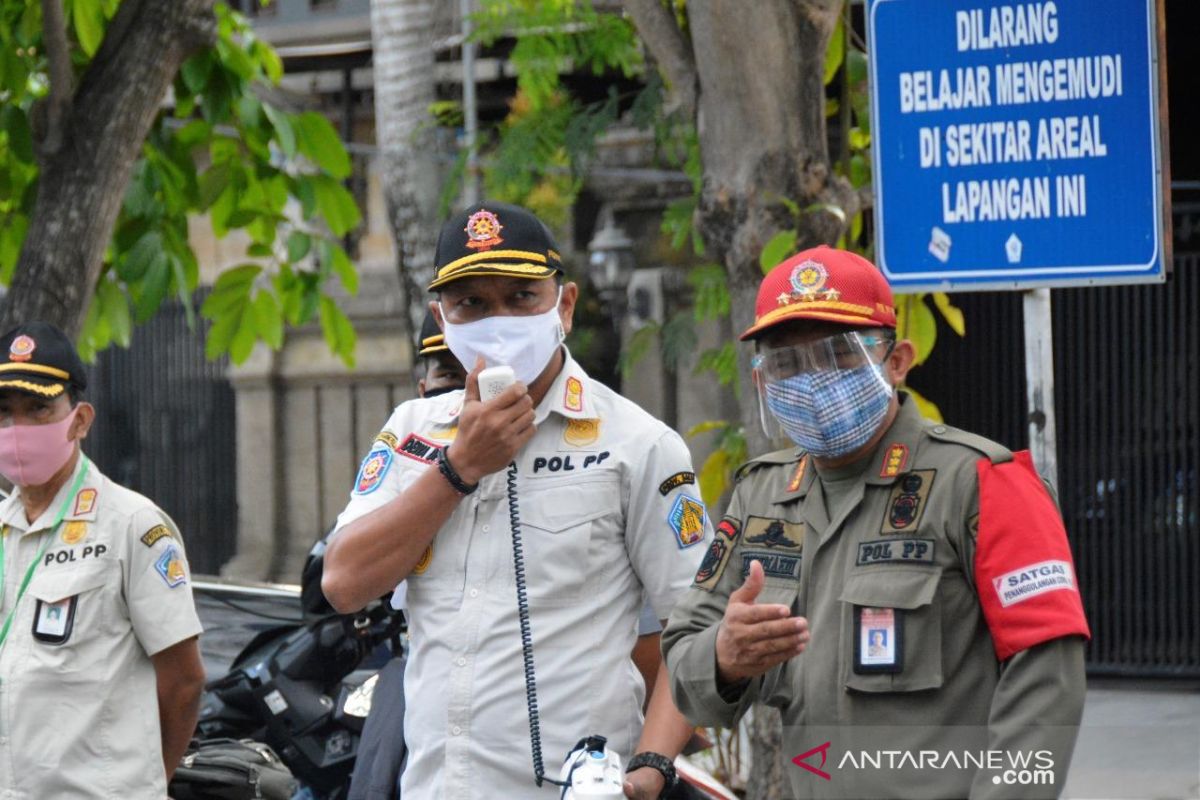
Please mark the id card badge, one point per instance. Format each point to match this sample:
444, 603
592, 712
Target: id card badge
878, 640
52, 622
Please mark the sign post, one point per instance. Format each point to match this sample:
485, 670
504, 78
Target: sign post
1017, 146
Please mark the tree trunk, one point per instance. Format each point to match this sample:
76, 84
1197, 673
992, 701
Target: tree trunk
83, 180
402, 31
760, 116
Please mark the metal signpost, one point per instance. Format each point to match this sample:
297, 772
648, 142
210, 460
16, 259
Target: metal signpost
1017, 146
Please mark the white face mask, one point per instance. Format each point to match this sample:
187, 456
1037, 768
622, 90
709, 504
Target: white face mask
524, 343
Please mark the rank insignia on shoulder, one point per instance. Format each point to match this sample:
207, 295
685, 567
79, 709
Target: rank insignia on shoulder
675, 481
774, 534
418, 448
371, 473
687, 520
893, 461
154, 534
907, 501
170, 566
74, 532
85, 502
573, 394
798, 476
717, 556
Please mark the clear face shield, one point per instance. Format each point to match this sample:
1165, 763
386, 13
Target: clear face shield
824, 395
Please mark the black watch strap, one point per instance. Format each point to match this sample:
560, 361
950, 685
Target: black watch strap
655, 761
451, 475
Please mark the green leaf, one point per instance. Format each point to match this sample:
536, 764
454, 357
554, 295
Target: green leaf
20, 139
272, 64
915, 322
679, 339
237, 277
12, 237
284, 132
343, 267
859, 139
269, 319
706, 426
637, 348
928, 408
298, 245
235, 59
195, 71
213, 182
781, 245
88, 16
835, 51
153, 287
339, 333
318, 140
335, 205
136, 263
952, 314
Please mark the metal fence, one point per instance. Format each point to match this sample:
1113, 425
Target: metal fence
165, 428
1127, 379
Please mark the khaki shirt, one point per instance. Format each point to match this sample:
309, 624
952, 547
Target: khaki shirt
78, 696
901, 657
609, 508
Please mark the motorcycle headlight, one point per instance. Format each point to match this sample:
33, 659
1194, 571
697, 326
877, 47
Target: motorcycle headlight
358, 702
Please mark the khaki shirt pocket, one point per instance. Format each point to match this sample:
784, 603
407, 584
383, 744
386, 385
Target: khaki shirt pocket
70, 611
558, 525
913, 594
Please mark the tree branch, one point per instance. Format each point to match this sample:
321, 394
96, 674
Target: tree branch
58, 54
670, 48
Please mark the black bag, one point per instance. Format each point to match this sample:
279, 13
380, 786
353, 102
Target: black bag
227, 769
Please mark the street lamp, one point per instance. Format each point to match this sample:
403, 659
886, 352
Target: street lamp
610, 265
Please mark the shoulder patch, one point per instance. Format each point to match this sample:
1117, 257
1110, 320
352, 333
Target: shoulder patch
675, 481
85, 502
687, 520
996, 453
170, 568
774, 534
374, 467
717, 556
154, 534
388, 438
418, 448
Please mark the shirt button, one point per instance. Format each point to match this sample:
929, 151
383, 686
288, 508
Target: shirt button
462, 662
456, 730
939, 429
474, 593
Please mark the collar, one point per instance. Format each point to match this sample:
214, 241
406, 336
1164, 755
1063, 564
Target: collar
892, 457
446, 407
12, 512
572, 394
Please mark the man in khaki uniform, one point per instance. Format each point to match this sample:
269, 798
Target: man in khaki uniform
903, 591
100, 672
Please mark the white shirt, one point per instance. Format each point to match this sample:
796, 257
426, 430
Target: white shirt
596, 531
78, 693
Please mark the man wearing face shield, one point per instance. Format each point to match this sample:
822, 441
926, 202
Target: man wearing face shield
607, 508
903, 591
100, 671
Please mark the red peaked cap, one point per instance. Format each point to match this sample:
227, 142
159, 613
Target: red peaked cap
824, 284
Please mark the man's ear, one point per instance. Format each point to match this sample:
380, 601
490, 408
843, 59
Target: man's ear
566, 306
900, 361
435, 308
421, 388
85, 415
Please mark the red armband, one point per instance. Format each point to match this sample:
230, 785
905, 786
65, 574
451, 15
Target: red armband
1023, 568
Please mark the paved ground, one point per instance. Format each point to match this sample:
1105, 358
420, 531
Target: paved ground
1139, 740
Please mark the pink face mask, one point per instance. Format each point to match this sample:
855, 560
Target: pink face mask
31, 454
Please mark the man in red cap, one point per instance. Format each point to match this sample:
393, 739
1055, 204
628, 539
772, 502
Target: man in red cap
903, 591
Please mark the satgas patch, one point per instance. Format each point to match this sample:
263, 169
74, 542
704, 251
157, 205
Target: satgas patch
418, 448
906, 503
675, 481
169, 566
895, 551
775, 564
426, 560
893, 461
581, 432
687, 520
85, 502
717, 556
388, 439
74, 532
154, 534
570, 462
573, 394
774, 534
798, 476
374, 467
1033, 580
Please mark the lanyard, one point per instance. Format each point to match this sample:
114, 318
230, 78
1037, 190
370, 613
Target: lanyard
58, 518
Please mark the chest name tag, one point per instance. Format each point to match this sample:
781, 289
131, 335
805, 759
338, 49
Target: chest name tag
775, 565
878, 640
896, 551
52, 622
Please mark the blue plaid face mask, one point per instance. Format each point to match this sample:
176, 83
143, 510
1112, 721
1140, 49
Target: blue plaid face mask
832, 412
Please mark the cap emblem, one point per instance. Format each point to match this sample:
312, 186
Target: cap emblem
483, 230
21, 348
809, 276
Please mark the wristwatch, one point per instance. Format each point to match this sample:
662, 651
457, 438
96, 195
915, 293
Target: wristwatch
659, 762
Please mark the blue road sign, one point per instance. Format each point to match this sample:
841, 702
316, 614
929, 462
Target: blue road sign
1016, 144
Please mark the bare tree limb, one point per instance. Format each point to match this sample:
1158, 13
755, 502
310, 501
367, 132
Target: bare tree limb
658, 29
58, 55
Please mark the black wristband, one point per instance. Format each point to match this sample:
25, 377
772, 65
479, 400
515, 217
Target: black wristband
452, 477
655, 761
